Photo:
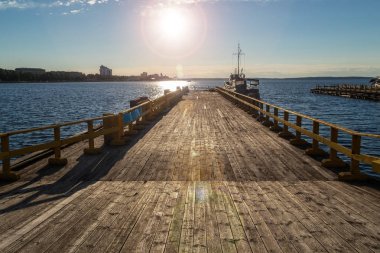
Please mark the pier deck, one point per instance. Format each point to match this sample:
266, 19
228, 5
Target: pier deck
207, 177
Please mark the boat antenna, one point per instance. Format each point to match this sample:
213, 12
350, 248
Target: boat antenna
239, 53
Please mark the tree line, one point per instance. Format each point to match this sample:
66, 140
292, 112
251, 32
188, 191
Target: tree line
62, 76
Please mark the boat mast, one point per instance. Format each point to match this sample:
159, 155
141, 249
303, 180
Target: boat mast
239, 53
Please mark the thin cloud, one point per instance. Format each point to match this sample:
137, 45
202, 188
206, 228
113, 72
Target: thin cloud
69, 7
33, 4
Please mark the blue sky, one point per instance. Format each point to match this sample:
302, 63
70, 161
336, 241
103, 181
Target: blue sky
280, 38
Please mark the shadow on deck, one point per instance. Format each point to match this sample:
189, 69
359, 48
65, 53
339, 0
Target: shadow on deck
206, 177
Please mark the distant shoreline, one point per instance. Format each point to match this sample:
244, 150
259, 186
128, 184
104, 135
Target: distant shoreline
190, 79
286, 78
99, 81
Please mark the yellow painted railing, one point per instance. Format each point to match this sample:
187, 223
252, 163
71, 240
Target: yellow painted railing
269, 115
114, 129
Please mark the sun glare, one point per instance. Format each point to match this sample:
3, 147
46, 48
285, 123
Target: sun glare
171, 85
173, 31
172, 24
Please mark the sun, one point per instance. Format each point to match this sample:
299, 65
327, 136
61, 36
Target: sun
174, 31
172, 24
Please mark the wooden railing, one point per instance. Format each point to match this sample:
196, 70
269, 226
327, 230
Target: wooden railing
114, 128
366, 88
269, 114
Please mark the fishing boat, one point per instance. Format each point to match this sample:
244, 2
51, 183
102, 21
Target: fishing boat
375, 82
239, 83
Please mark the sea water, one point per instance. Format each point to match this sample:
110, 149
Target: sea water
27, 105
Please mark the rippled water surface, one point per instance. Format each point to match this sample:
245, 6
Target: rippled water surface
29, 105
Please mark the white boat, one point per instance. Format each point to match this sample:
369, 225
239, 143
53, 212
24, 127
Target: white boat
375, 82
240, 84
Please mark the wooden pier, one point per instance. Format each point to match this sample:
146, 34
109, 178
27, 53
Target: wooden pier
349, 91
201, 174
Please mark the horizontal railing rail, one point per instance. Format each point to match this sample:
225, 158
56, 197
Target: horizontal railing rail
114, 128
265, 111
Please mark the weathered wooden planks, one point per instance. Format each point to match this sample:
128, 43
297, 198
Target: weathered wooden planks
205, 178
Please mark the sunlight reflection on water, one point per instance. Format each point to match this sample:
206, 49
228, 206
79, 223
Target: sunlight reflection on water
171, 85
27, 105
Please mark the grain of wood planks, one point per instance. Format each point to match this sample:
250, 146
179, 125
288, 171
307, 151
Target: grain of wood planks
206, 177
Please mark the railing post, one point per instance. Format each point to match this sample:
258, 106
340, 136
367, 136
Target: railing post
298, 141
245, 107
275, 127
354, 173
254, 111
57, 160
266, 121
141, 122
333, 161
119, 137
261, 115
7, 174
109, 121
285, 131
154, 109
148, 109
91, 150
315, 150
132, 130
167, 101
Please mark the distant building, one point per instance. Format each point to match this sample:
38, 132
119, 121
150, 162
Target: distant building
35, 71
154, 77
104, 71
68, 74
144, 74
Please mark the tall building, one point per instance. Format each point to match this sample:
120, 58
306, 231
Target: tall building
104, 71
